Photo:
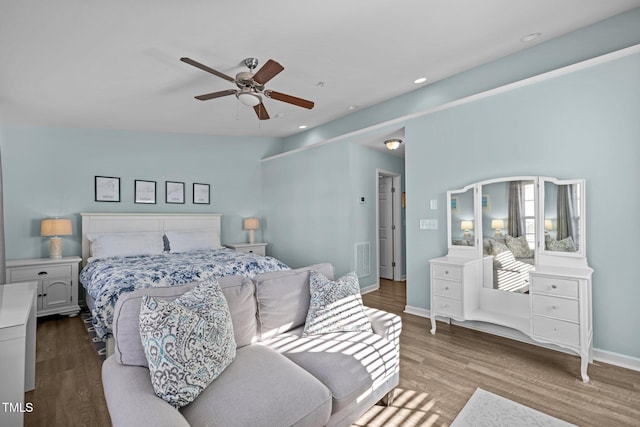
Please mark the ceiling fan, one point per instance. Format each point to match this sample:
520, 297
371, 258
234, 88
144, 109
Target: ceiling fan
251, 86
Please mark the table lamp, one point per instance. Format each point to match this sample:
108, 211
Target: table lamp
251, 224
54, 228
467, 226
498, 225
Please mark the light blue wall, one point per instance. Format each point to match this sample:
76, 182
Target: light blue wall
581, 125
311, 200
50, 172
307, 202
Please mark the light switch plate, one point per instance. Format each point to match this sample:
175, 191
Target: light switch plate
433, 204
428, 224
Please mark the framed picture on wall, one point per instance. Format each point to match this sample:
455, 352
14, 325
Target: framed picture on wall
201, 194
455, 205
107, 189
145, 191
486, 203
174, 192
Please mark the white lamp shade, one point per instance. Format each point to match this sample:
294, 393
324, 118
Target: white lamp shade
55, 227
548, 224
249, 99
466, 225
251, 224
497, 223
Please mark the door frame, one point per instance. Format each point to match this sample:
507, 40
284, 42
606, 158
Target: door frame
397, 220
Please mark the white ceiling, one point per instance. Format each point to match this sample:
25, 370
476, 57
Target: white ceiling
115, 64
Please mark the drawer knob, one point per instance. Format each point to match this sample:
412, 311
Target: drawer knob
446, 288
554, 286
446, 272
445, 306
554, 307
42, 273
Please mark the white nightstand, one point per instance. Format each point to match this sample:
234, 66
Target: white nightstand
251, 248
57, 282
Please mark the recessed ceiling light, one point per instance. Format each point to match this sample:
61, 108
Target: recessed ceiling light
420, 80
302, 127
530, 37
352, 107
279, 115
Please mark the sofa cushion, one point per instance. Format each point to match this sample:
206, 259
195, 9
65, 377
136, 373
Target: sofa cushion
350, 364
261, 388
188, 342
283, 298
335, 305
238, 291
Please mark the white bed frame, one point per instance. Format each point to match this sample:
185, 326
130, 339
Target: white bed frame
132, 222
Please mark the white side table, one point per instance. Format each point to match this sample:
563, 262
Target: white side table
17, 349
250, 248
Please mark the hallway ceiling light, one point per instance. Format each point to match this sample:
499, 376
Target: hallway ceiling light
393, 144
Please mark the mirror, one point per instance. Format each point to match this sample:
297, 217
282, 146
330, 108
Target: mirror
562, 216
509, 233
461, 217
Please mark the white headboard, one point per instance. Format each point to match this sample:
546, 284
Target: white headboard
130, 222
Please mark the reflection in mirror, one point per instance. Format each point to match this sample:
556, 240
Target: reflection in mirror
508, 237
461, 204
562, 217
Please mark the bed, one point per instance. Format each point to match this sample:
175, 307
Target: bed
196, 254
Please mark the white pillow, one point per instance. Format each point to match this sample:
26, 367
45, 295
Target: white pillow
185, 241
106, 245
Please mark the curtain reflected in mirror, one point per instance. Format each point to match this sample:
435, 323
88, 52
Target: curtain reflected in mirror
462, 214
509, 235
562, 217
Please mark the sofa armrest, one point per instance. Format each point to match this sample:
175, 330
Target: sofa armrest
385, 324
131, 399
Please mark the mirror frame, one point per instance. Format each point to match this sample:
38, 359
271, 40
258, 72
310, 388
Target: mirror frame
460, 250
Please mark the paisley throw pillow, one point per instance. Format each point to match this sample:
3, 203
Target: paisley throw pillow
188, 342
519, 246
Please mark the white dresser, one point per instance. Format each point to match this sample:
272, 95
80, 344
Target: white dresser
17, 350
452, 282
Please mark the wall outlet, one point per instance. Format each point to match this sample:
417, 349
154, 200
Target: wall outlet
433, 204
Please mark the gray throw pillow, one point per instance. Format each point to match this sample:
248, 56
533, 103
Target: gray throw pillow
335, 306
564, 245
188, 342
519, 246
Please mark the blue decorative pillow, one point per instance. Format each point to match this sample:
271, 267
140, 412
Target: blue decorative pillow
335, 306
188, 342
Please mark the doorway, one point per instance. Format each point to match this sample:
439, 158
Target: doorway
389, 221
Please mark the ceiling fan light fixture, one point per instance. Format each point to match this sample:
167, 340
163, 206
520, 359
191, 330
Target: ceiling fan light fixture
248, 98
393, 143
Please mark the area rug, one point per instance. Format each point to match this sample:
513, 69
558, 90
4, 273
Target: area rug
488, 409
98, 344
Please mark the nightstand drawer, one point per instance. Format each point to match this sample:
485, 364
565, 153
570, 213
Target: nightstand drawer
447, 306
555, 286
447, 272
561, 308
556, 330
38, 273
447, 288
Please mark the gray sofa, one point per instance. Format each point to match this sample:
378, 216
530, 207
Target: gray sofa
277, 377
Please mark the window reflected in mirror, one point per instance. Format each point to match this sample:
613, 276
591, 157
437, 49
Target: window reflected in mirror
509, 234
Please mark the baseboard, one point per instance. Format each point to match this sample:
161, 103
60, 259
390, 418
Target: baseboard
417, 311
370, 288
616, 359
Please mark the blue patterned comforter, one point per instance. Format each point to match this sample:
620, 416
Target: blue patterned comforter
105, 279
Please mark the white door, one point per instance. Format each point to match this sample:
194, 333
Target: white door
385, 226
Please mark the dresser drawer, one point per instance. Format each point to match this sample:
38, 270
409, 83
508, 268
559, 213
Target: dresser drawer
447, 288
555, 330
37, 273
447, 306
555, 286
561, 308
447, 272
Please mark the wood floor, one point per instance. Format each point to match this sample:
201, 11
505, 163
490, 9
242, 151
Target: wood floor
438, 374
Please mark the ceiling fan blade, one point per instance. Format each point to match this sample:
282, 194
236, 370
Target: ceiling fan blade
267, 72
261, 112
207, 69
289, 99
219, 94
